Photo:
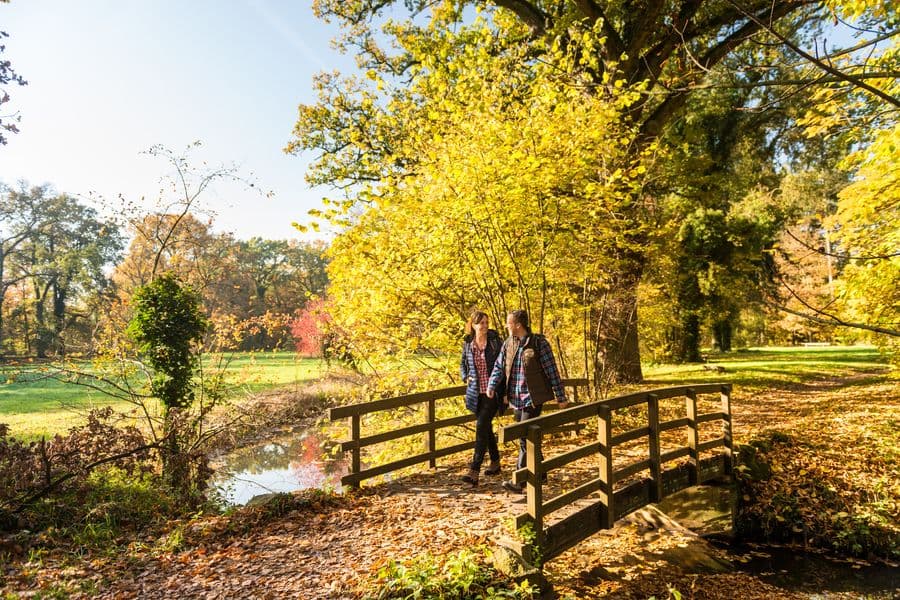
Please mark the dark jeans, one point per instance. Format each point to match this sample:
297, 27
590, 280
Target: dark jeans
529, 412
485, 440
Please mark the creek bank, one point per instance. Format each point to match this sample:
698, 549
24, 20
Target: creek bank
278, 447
686, 542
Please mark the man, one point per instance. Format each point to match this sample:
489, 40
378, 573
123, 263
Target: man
526, 369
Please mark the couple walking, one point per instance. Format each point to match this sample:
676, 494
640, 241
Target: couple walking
519, 372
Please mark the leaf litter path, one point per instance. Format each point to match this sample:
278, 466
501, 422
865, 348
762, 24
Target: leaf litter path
330, 551
332, 547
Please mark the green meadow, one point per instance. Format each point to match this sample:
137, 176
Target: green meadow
35, 403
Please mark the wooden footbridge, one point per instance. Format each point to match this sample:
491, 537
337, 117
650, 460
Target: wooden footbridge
636, 448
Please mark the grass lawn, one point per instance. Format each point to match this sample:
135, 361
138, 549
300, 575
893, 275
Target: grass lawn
34, 404
756, 368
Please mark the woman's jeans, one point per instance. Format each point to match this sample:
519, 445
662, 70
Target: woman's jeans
529, 412
485, 440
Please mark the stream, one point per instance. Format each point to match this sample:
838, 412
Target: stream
286, 462
817, 575
706, 510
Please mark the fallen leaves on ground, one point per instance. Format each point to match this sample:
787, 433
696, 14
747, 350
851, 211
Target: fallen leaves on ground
332, 548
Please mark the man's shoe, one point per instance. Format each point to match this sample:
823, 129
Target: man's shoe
509, 486
493, 469
471, 477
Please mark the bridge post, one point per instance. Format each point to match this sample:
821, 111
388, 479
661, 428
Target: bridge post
655, 461
356, 451
693, 438
534, 485
726, 428
606, 465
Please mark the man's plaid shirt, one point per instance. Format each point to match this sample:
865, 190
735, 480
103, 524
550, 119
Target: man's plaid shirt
516, 388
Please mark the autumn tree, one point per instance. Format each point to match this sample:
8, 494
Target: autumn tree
61, 250
720, 211
281, 274
868, 237
848, 234
364, 134
180, 244
18, 217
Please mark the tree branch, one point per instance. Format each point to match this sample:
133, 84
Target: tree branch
852, 79
834, 320
529, 13
844, 256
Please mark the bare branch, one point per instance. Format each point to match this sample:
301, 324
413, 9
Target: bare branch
23, 504
855, 80
834, 320
844, 256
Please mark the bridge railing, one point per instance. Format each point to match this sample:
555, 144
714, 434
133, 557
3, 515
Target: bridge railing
430, 427
610, 502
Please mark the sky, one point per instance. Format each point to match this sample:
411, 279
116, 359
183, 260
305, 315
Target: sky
108, 79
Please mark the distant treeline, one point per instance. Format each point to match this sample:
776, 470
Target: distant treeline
68, 273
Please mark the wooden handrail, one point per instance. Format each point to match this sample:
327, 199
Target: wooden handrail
430, 427
615, 502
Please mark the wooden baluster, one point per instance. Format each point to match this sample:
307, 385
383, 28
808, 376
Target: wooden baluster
606, 465
356, 451
692, 437
534, 486
656, 491
431, 441
726, 428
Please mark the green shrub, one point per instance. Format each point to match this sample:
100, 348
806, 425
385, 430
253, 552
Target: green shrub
461, 575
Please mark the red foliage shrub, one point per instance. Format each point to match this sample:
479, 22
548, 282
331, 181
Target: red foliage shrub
309, 328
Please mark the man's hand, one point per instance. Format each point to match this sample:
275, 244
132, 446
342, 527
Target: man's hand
490, 393
563, 404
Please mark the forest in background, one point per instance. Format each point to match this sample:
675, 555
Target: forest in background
68, 274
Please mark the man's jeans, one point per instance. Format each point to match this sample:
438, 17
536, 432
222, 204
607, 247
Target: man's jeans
529, 412
485, 440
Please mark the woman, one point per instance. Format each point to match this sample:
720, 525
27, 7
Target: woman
480, 349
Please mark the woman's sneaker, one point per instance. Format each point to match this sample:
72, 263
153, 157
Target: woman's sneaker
471, 477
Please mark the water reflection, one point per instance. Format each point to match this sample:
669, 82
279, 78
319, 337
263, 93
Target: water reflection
285, 463
818, 574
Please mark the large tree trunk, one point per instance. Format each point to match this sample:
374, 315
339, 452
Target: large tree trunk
688, 348
615, 320
722, 335
42, 332
59, 317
